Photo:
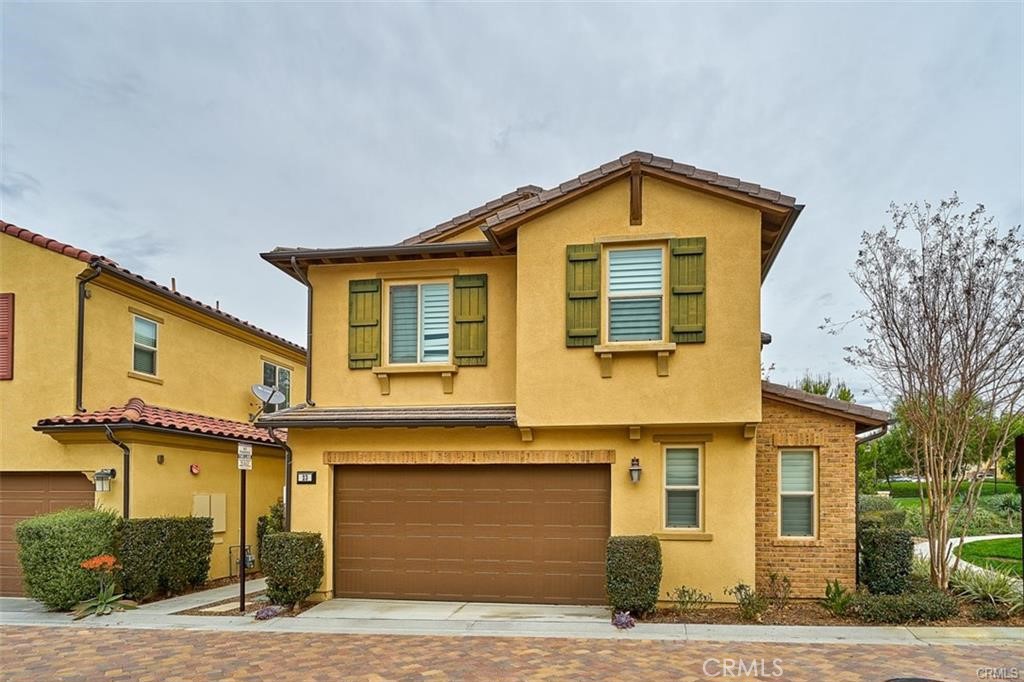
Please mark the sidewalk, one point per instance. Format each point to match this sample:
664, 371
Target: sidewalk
922, 549
330, 618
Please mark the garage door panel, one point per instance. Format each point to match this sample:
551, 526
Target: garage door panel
514, 533
28, 494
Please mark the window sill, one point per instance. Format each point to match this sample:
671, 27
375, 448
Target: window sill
447, 373
797, 542
146, 377
606, 353
690, 535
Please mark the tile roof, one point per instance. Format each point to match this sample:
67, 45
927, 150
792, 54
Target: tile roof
447, 415
47, 243
865, 417
137, 413
707, 177
473, 214
112, 267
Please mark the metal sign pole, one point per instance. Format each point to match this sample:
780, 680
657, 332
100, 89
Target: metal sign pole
244, 465
241, 548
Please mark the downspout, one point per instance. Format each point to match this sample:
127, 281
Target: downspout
287, 477
856, 498
309, 340
80, 338
126, 464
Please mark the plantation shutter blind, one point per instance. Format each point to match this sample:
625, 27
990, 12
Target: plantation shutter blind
470, 316
363, 323
687, 307
6, 336
682, 483
634, 295
435, 322
797, 493
403, 323
582, 294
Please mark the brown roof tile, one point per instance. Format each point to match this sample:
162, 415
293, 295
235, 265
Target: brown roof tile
137, 413
866, 417
460, 221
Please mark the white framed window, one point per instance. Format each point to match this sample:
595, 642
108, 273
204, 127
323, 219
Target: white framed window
798, 477
146, 332
276, 376
635, 294
419, 323
683, 476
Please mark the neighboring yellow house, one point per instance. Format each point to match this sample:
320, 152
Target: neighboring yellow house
493, 398
102, 370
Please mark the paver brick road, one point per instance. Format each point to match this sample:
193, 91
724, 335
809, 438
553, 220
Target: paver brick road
37, 654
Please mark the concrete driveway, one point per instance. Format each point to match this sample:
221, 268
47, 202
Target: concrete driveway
396, 609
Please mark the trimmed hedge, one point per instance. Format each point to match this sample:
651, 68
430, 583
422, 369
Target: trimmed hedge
51, 548
868, 503
633, 573
293, 564
921, 606
886, 555
268, 524
883, 518
165, 554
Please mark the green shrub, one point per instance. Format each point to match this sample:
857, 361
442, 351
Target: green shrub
912, 607
294, 566
909, 488
272, 522
633, 572
994, 587
1005, 504
165, 554
886, 556
51, 548
685, 598
866, 482
752, 604
883, 518
837, 598
869, 503
989, 611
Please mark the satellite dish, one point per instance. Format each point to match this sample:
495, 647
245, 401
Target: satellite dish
267, 395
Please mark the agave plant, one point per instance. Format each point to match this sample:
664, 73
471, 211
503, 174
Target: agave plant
105, 601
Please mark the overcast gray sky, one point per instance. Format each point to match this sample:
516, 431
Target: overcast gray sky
183, 139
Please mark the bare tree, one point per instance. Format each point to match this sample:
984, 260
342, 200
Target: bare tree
944, 328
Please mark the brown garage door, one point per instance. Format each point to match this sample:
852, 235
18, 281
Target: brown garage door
501, 533
24, 495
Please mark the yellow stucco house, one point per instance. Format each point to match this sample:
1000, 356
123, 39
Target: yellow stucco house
104, 371
491, 399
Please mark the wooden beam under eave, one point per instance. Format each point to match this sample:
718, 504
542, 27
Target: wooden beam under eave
636, 194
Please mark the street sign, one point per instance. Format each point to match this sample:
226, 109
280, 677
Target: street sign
244, 457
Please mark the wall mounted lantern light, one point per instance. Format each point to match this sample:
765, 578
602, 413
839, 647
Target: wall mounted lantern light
102, 479
635, 470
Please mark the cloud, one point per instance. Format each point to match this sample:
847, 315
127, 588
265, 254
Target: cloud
137, 251
16, 185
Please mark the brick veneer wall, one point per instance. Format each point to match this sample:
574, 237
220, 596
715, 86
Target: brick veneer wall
831, 555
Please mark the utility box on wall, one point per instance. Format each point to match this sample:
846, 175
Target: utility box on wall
213, 505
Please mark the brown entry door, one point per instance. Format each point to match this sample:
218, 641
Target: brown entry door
489, 533
24, 495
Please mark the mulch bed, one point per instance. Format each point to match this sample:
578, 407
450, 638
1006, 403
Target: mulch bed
251, 607
808, 613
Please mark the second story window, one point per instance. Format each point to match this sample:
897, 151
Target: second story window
145, 344
280, 378
635, 294
419, 323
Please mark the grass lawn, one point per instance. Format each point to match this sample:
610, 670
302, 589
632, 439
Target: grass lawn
1001, 554
904, 489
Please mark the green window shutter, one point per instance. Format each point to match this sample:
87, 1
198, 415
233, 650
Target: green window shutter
582, 294
363, 323
687, 308
470, 313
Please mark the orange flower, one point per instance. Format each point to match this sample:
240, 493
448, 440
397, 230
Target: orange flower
103, 562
